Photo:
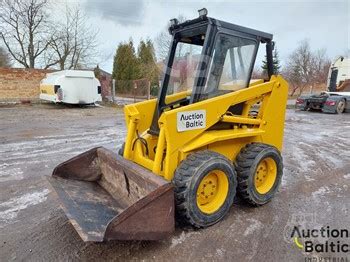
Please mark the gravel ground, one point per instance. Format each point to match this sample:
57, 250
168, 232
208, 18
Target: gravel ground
34, 139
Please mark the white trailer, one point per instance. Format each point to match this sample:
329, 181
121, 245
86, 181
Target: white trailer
71, 87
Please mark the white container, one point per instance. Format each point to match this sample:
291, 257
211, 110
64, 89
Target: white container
71, 87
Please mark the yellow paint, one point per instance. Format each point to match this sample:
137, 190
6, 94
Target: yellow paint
240, 120
129, 138
173, 146
254, 82
229, 152
265, 175
159, 154
212, 192
210, 137
47, 89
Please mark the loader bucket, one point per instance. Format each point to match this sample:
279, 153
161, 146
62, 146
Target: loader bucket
107, 197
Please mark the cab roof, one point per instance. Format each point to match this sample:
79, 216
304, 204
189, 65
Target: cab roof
205, 21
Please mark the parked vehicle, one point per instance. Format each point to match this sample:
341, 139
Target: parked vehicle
337, 98
71, 87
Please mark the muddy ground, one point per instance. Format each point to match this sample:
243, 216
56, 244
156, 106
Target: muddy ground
33, 139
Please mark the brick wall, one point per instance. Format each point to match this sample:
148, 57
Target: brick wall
19, 84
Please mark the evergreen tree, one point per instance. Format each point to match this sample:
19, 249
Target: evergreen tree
147, 62
276, 63
146, 52
125, 67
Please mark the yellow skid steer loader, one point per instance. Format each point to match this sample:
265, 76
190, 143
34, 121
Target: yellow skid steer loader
213, 131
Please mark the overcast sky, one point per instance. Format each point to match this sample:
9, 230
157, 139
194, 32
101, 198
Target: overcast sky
326, 24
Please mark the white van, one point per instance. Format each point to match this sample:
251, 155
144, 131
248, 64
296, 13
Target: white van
71, 87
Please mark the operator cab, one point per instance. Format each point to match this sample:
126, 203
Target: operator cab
208, 58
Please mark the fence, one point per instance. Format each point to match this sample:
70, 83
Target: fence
140, 88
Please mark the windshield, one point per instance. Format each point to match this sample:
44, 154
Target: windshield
184, 67
231, 64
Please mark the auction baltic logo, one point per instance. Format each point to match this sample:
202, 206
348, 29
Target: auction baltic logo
336, 241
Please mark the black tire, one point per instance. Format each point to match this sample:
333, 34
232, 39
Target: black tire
341, 106
187, 179
247, 163
121, 150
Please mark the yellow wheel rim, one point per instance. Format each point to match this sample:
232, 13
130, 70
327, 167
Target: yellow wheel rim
212, 192
265, 175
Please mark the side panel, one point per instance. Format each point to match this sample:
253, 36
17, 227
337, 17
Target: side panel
141, 112
272, 114
144, 111
215, 108
77, 90
267, 127
230, 151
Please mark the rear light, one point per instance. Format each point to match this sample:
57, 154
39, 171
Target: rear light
300, 101
330, 103
98, 89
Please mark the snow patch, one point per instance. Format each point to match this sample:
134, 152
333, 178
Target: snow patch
10, 174
220, 252
320, 192
347, 176
302, 159
42, 146
178, 240
9, 209
255, 225
284, 181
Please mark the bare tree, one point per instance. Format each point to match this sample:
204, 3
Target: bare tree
306, 68
163, 40
298, 67
320, 66
74, 43
23, 29
5, 60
